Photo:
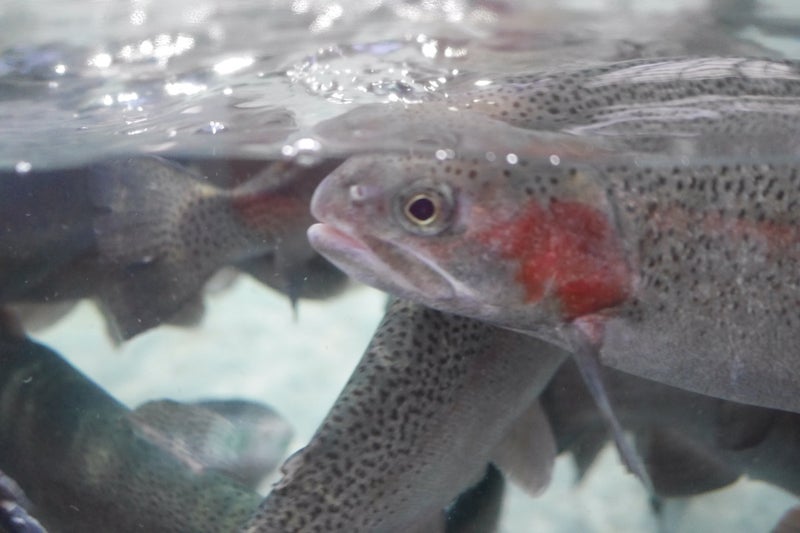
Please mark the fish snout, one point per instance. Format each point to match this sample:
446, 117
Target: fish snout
334, 198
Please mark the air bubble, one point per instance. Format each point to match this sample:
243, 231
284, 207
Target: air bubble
23, 167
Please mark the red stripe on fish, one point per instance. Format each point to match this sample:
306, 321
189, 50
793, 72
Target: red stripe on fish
270, 211
568, 249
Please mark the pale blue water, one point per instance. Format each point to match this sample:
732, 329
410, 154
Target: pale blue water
79, 80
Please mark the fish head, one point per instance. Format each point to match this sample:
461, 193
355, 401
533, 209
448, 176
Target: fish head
518, 242
400, 223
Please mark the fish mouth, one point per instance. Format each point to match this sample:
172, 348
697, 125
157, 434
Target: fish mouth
378, 263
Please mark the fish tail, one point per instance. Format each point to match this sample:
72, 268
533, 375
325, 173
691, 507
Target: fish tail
161, 232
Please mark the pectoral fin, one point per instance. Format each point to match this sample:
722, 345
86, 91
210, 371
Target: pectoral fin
587, 358
527, 452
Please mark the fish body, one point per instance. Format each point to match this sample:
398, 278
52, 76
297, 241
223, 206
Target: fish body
86, 464
641, 96
433, 400
142, 235
675, 269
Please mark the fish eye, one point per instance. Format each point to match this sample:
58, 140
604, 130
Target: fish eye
422, 209
426, 209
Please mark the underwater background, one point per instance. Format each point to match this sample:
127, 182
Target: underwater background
80, 80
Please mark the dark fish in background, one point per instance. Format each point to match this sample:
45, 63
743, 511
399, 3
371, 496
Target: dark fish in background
142, 235
87, 465
690, 443
478, 509
241, 439
297, 271
434, 399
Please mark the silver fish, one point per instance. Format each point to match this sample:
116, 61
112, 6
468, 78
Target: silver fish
434, 399
675, 270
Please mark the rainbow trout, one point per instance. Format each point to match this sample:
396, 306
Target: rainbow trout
89, 464
677, 269
679, 106
433, 400
142, 235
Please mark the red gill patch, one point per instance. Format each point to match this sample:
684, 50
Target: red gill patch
568, 249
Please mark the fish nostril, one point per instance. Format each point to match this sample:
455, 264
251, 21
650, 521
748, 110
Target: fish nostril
358, 194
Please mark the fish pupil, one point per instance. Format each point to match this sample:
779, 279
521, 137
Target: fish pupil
422, 208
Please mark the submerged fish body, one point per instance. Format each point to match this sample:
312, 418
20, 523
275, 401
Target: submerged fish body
142, 235
87, 466
434, 399
676, 106
691, 443
644, 96
678, 271
241, 439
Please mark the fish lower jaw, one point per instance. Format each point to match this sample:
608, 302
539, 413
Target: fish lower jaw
380, 264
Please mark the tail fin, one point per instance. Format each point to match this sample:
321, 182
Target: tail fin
244, 440
154, 238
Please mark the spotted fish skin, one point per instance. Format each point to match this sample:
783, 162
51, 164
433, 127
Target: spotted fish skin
416, 424
82, 464
640, 95
142, 235
680, 273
